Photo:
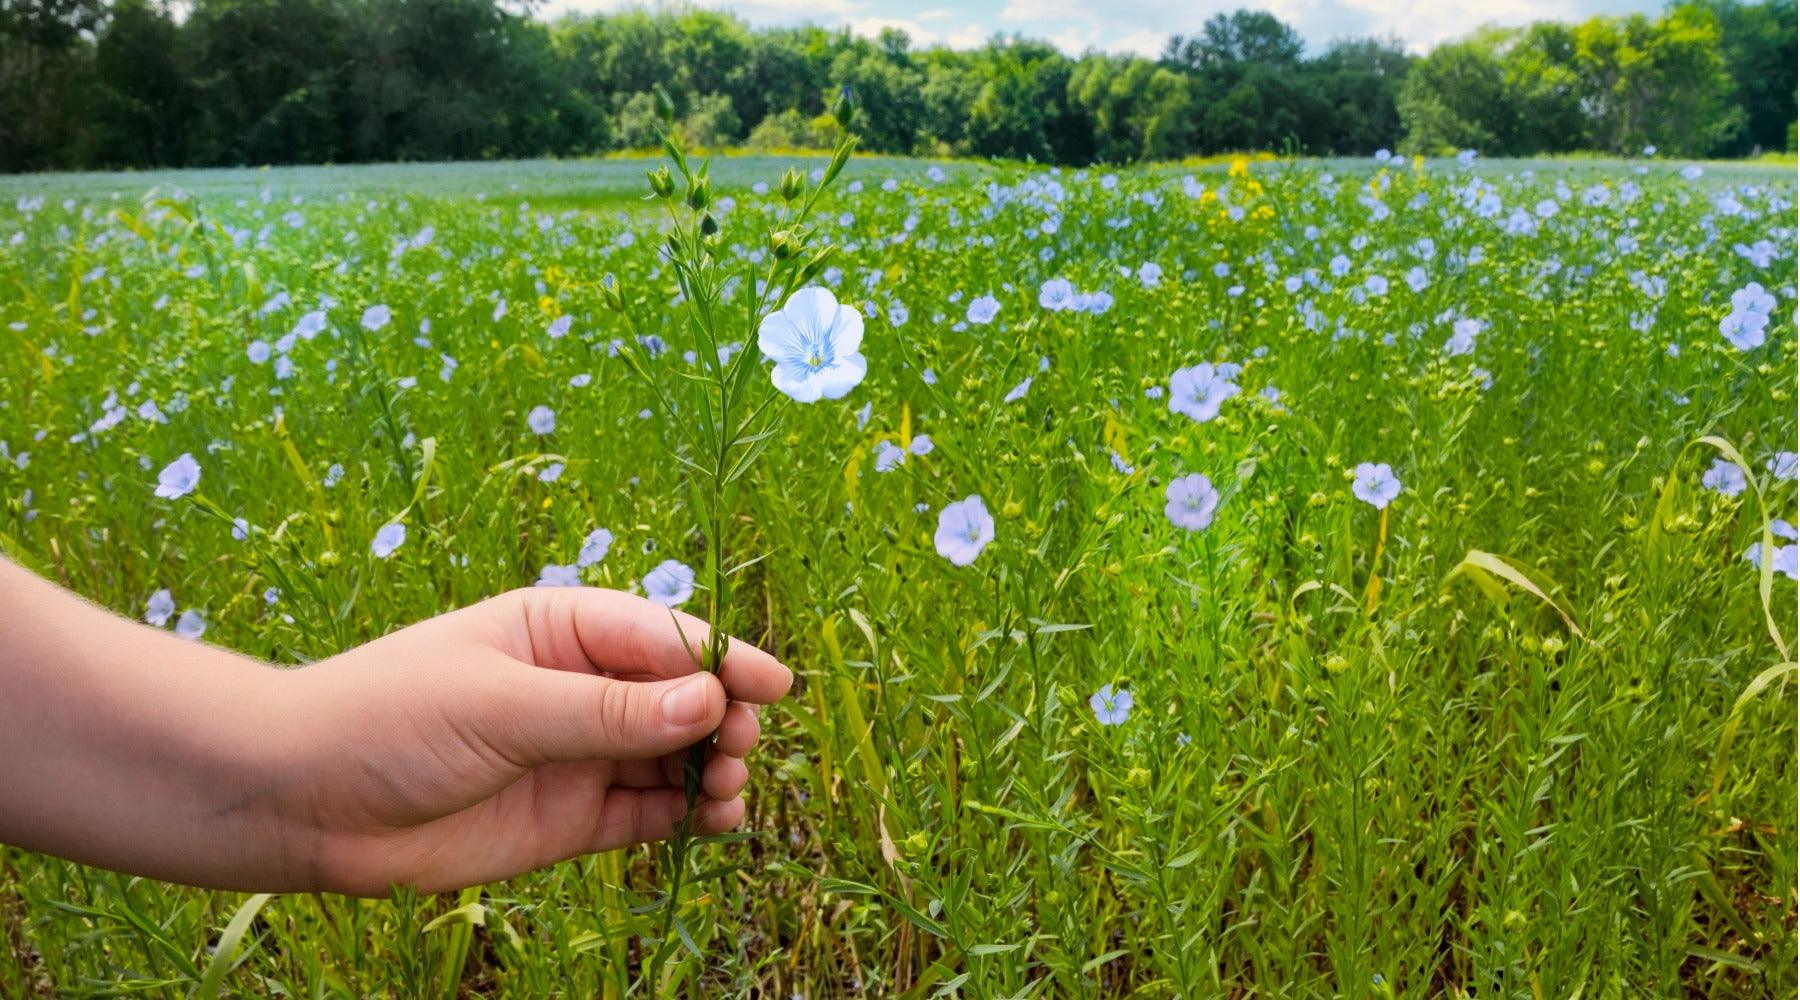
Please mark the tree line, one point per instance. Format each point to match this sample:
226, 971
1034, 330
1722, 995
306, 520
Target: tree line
144, 83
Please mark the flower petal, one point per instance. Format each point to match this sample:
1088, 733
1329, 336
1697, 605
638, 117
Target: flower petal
779, 339
797, 382
836, 381
846, 338
812, 309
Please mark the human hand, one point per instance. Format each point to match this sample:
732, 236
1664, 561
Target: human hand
509, 735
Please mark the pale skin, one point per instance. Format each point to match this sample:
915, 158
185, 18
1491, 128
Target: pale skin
529, 728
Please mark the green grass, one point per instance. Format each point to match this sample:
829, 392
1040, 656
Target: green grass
1351, 770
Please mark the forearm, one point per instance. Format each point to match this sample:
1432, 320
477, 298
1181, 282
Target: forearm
125, 747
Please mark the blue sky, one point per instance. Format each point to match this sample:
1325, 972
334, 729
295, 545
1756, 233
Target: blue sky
1143, 25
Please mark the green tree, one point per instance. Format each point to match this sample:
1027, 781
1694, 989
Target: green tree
270, 80
1357, 84
1660, 83
127, 83
1457, 98
1545, 91
792, 130
887, 90
144, 98
710, 123
1229, 43
639, 123
1757, 42
46, 78
1025, 107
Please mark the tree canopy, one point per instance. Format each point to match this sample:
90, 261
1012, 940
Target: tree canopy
129, 83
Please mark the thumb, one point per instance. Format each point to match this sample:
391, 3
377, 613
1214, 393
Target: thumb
557, 715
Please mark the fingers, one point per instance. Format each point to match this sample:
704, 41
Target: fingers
634, 816
540, 716
736, 737
724, 778
593, 629
739, 732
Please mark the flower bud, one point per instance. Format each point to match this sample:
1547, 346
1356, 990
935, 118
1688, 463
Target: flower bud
708, 225
699, 194
791, 184
838, 159
783, 244
843, 109
817, 264
662, 183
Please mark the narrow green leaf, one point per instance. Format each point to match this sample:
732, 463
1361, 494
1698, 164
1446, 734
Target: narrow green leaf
1482, 567
225, 954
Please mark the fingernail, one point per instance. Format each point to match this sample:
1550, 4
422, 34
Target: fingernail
685, 704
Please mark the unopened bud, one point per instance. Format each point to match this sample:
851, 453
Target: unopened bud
844, 108
791, 184
838, 159
662, 183
817, 264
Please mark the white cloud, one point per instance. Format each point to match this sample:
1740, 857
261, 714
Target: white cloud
870, 27
754, 11
964, 36
789, 9
1072, 41
968, 36
1044, 10
1143, 43
1425, 23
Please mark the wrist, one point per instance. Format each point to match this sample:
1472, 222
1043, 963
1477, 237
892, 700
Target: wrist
215, 766
139, 751
261, 758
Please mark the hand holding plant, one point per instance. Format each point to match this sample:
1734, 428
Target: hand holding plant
724, 415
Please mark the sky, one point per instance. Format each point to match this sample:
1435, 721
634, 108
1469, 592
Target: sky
1141, 26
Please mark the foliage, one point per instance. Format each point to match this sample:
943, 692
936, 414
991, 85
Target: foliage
1614, 84
1757, 41
127, 83
1462, 682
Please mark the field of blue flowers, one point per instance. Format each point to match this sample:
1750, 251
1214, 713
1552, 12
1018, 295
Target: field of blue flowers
1262, 578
